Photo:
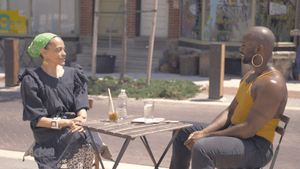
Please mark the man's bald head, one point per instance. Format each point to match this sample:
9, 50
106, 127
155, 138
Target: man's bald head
259, 35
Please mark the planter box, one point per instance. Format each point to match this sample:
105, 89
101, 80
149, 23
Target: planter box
173, 60
189, 64
284, 62
204, 64
105, 63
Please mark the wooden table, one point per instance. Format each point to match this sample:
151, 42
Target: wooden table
130, 131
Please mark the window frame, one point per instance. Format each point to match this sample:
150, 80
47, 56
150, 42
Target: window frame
203, 42
29, 33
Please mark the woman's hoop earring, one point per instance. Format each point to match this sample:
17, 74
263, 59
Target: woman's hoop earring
262, 60
45, 62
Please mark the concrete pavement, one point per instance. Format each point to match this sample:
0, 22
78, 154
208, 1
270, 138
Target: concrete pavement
17, 136
13, 159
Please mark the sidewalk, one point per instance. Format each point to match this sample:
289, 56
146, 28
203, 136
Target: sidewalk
13, 160
16, 135
231, 84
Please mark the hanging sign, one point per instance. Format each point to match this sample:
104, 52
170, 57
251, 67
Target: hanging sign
11, 22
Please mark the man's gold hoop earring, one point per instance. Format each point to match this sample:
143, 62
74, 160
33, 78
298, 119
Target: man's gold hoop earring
262, 60
45, 62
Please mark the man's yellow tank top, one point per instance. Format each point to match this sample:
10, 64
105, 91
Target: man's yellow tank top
245, 103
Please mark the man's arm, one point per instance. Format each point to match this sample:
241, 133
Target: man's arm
222, 120
269, 98
266, 104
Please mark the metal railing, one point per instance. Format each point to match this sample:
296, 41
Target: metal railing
31, 61
23, 56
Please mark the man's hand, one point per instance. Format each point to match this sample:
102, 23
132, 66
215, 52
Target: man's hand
189, 143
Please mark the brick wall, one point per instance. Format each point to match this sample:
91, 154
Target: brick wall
130, 19
86, 18
174, 19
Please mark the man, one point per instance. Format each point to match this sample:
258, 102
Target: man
242, 135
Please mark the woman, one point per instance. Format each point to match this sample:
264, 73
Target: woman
54, 100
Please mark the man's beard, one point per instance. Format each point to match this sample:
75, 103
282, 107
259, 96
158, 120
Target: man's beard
247, 59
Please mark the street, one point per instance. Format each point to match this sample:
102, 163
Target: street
16, 135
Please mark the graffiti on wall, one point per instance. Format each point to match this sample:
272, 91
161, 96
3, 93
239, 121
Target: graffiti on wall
226, 20
277, 15
191, 19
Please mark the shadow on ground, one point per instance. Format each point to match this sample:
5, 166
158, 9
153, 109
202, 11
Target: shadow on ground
10, 96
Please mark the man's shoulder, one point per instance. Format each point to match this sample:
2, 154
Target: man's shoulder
272, 82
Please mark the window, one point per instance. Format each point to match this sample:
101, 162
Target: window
226, 20
191, 17
21, 6
43, 15
277, 15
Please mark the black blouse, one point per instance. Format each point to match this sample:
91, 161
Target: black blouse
47, 96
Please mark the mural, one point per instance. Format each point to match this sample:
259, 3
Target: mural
191, 19
278, 15
226, 20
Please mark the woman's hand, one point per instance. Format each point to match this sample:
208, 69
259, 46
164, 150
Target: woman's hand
79, 119
74, 127
189, 143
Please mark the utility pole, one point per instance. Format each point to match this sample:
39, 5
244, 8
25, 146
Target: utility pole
95, 38
124, 45
151, 44
59, 17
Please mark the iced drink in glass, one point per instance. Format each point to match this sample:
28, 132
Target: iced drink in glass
148, 112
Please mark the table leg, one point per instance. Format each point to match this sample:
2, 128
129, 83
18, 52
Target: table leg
95, 148
125, 145
144, 140
167, 148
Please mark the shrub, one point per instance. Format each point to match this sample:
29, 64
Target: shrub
175, 89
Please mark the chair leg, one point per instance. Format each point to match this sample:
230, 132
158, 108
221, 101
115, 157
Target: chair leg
96, 161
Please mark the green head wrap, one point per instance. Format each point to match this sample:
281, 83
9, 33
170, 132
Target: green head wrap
39, 42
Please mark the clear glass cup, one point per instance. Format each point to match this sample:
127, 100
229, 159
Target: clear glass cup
112, 114
148, 112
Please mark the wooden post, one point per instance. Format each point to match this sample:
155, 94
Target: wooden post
11, 62
124, 44
59, 17
151, 44
95, 38
216, 73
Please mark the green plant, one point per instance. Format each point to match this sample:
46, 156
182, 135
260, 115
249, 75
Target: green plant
175, 89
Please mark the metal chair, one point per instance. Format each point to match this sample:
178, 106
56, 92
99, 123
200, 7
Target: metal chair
285, 119
280, 130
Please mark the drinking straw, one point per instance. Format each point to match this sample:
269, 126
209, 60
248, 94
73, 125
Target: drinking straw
112, 104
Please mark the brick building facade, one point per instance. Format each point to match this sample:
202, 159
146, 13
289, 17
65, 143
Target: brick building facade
86, 19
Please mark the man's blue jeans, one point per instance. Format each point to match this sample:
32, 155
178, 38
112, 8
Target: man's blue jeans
220, 152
